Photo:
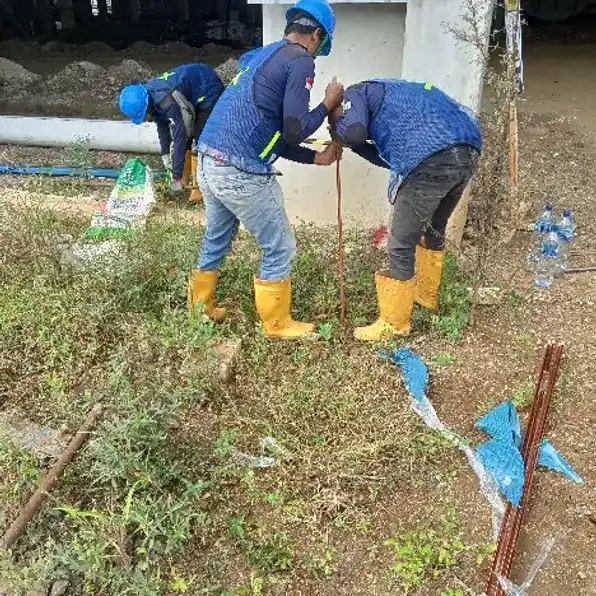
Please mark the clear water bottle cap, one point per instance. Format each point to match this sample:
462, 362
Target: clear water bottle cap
566, 213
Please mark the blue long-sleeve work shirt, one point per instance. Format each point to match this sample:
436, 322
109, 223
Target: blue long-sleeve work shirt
407, 122
271, 91
201, 87
282, 87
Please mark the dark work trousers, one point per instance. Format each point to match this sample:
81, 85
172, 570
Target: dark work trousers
201, 117
424, 203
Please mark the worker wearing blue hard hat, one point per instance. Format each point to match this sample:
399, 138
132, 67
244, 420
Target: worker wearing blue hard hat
179, 101
263, 115
430, 144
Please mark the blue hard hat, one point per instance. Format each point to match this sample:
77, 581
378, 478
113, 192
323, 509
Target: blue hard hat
133, 103
321, 11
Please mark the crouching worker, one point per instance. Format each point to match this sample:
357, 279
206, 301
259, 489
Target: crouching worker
431, 145
261, 116
179, 102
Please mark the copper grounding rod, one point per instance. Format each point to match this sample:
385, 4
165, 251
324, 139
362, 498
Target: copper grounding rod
512, 521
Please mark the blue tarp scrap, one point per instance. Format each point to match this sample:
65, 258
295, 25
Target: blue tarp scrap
504, 462
413, 369
502, 422
550, 458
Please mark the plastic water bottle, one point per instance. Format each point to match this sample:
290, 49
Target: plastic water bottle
541, 227
566, 234
544, 222
548, 261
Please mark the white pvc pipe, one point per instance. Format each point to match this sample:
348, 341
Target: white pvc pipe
108, 135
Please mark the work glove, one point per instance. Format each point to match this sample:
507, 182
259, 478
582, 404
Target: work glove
176, 186
167, 161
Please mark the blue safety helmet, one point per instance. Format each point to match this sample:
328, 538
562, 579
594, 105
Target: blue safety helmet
133, 102
321, 11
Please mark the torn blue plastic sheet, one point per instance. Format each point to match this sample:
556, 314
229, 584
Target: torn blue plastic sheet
502, 422
550, 458
415, 378
413, 368
502, 459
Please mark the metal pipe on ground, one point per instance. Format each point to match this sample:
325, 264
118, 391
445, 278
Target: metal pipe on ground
511, 526
106, 135
17, 528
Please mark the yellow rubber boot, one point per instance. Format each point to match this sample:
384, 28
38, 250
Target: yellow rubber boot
195, 193
429, 269
187, 167
273, 300
201, 289
396, 301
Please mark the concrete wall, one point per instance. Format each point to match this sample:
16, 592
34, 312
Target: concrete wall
381, 40
434, 53
368, 43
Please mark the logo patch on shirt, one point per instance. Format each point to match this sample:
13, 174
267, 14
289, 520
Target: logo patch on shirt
346, 105
310, 81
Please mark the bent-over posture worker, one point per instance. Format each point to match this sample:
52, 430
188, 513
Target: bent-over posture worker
179, 101
261, 116
431, 145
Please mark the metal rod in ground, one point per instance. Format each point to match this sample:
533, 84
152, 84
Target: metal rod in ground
41, 494
340, 238
578, 270
510, 529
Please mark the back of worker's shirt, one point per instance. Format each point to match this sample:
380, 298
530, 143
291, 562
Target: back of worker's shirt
407, 123
264, 113
199, 85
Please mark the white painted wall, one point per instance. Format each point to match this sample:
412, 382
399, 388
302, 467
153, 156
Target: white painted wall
368, 43
433, 53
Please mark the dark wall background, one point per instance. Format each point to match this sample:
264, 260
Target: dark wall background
120, 22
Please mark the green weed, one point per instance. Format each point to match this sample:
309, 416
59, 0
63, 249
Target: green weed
444, 359
454, 299
524, 394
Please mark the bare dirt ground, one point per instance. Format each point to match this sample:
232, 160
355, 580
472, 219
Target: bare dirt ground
84, 81
341, 521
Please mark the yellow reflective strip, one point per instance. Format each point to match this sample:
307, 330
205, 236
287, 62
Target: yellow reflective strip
428, 86
166, 75
270, 145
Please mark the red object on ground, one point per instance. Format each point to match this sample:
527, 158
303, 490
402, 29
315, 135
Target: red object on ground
380, 236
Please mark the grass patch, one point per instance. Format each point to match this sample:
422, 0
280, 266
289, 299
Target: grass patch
454, 299
158, 501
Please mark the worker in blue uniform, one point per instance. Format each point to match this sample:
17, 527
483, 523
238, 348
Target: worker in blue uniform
263, 115
431, 145
179, 101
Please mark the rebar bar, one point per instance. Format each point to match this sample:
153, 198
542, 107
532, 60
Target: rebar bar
512, 521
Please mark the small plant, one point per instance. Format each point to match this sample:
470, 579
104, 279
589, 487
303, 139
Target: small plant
326, 331
523, 395
454, 315
421, 556
80, 157
444, 359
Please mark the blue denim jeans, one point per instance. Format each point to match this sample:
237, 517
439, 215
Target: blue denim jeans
231, 197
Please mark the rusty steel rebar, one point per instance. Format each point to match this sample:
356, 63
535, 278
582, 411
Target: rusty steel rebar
17, 527
512, 521
340, 239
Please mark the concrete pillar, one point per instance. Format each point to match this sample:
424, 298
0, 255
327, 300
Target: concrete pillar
67, 15
368, 43
434, 52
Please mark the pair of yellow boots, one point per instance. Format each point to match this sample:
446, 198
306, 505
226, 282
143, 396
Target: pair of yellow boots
273, 300
191, 164
396, 298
